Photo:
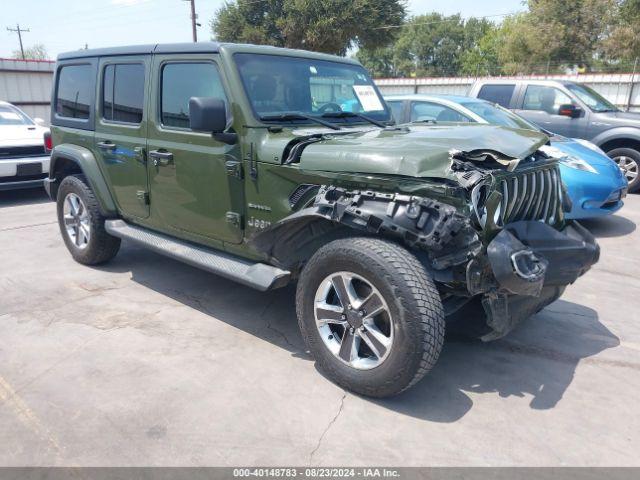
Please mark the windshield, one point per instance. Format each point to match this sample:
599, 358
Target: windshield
13, 116
498, 116
278, 84
594, 100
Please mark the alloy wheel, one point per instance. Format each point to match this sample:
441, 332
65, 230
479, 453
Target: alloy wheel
353, 320
629, 167
76, 221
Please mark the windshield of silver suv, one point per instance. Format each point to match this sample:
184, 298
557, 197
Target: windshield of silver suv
13, 116
591, 98
282, 88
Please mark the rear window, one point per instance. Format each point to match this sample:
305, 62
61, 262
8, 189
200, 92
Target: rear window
123, 93
500, 94
75, 85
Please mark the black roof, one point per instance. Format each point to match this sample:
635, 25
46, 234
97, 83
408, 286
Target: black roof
200, 47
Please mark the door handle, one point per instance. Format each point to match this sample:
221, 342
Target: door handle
106, 145
161, 158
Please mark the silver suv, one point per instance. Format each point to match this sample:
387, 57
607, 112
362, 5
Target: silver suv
573, 110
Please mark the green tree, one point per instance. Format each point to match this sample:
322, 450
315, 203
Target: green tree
330, 26
624, 42
554, 34
431, 44
35, 52
379, 61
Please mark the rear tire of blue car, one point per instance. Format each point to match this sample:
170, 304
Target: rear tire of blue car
629, 161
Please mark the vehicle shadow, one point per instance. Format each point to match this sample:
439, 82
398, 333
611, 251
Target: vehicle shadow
609, 226
31, 196
270, 316
537, 360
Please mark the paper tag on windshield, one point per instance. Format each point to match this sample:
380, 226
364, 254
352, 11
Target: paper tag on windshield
368, 98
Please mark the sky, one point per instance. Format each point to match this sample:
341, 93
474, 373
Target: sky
63, 25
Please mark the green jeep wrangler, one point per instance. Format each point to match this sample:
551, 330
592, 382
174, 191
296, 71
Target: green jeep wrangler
269, 166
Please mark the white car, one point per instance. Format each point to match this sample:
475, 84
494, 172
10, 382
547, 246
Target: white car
24, 157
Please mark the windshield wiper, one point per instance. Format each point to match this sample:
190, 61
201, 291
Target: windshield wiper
354, 115
426, 120
298, 116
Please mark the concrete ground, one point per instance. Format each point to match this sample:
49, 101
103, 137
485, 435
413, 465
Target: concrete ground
147, 361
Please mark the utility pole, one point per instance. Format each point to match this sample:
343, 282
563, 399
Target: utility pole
193, 20
19, 31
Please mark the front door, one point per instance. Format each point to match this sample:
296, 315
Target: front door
121, 131
190, 188
541, 105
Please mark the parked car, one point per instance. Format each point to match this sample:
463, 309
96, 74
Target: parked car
238, 159
24, 160
595, 184
572, 110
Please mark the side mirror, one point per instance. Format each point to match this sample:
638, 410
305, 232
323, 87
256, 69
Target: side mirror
569, 110
39, 121
208, 114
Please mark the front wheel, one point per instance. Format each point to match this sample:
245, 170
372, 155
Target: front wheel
370, 315
628, 160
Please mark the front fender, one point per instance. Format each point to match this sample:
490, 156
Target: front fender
617, 133
84, 159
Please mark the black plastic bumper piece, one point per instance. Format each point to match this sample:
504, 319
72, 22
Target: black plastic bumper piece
532, 263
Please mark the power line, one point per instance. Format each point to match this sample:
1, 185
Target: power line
19, 31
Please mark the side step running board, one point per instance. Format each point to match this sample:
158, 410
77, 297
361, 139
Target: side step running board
257, 275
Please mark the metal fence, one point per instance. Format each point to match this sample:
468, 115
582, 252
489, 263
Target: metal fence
621, 88
27, 84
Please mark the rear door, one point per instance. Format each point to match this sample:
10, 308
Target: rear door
191, 190
121, 130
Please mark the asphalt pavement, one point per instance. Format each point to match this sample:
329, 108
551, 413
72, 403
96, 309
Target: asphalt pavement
146, 361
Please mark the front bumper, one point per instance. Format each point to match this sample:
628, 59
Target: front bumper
527, 266
23, 172
594, 194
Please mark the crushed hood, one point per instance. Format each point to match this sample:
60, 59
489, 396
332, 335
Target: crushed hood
415, 151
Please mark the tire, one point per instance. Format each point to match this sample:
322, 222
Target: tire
631, 158
410, 304
100, 246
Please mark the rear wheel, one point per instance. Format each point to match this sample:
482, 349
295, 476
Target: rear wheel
82, 224
370, 315
628, 160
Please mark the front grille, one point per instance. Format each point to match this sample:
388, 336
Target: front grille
17, 152
528, 195
534, 195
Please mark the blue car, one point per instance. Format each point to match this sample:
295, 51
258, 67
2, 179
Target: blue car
595, 183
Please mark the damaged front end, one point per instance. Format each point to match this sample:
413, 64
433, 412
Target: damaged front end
531, 253
510, 247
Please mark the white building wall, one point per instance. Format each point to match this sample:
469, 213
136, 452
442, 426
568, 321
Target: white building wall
27, 84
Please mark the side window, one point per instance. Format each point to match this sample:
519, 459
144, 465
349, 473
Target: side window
546, 99
500, 94
74, 92
421, 111
396, 110
123, 92
180, 82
